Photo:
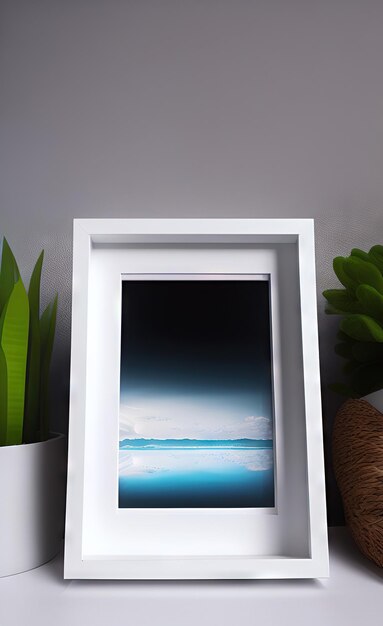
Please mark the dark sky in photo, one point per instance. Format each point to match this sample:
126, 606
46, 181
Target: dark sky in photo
205, 343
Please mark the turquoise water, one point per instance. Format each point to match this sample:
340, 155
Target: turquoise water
197, 444
167, 474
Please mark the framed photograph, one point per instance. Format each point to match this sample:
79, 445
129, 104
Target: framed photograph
195, 440
196, 412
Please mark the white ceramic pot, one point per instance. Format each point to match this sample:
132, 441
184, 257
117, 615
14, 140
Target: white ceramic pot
32, 503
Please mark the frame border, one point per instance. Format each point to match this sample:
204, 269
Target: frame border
300, 231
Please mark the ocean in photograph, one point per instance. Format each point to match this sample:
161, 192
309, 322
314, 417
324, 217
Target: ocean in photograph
195, 473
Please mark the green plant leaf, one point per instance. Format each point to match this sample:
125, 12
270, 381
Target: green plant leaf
47, 333
376, 257
343, 277
342, 301
3, 398
330, 310
9, 274
341, 336
363, 273
14, 325
32, 388
360, 254
362, 328
371, 301
360, 351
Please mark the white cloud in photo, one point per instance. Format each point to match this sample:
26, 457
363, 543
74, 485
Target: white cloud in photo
183, 418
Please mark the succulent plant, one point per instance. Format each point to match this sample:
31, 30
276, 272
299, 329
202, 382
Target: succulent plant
360, 305
26, 343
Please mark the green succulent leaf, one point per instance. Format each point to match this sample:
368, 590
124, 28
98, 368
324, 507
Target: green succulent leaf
360, 351
376, 257
47, 333
360, 254
341, 336
363, 273
367, 352
341, 301
14, 325
360, 334
32, 391
371, 301
330, 310
343, 277
362, 328
9, 274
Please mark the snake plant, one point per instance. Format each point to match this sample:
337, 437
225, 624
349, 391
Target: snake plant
26, 343
360, 307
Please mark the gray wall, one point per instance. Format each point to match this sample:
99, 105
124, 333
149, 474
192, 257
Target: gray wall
190, 108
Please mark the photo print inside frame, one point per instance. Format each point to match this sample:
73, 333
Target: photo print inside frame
196, 401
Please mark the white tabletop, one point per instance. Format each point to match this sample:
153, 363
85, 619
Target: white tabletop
352, 595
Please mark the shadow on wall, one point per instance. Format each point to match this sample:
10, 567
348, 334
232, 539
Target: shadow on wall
60, 381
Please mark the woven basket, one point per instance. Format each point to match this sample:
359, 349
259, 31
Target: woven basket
358, 464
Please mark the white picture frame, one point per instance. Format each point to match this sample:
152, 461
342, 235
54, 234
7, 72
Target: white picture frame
101, 541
